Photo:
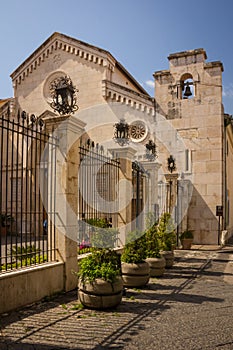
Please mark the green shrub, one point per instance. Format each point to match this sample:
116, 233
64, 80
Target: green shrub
135, 248
186, 234
102, 236
98, 222
101, 263
152, 242
166, 232
25, 256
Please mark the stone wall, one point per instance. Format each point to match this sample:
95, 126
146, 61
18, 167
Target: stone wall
198, 121
29, 285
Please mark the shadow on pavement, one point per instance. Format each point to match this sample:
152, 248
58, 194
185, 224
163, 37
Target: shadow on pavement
122, 323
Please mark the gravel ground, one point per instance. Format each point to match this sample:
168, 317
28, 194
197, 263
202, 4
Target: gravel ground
189, 308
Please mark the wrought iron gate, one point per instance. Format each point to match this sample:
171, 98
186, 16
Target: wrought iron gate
26, 235
138, 175
98, 189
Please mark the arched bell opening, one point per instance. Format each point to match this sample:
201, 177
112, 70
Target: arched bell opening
187, 88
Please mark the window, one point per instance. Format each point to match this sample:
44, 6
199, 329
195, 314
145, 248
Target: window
187, 164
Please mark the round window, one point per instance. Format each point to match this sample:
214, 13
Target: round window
138, 131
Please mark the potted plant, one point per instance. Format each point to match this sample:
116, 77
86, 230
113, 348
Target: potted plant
6, 221
167, 238
186, 238
102, 235
100, 284
154, 258
135, 269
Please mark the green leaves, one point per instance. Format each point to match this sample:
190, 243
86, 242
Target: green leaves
102, 263
186, 234
135, 250
152, 242
159, 235
166, 232
102, 236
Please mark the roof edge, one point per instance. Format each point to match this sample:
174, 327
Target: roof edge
57, 35
188, 53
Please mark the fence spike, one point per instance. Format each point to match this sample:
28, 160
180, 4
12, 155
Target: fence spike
24, 115
33, 118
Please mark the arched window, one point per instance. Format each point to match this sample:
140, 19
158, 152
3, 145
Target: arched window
187, 88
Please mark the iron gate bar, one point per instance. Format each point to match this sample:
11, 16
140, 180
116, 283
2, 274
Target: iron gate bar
22, 142
1, 181
94, 161
138, 174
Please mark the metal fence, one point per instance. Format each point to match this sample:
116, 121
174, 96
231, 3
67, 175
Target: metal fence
26, 235
138, 182
98, 194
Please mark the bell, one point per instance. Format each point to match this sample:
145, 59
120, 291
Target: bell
188, 91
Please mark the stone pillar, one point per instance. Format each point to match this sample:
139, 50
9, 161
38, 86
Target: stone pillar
68, 131
126, 157
172, 191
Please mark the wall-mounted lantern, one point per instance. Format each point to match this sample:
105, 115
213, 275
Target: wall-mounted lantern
122, 132
171, 165
151, 153
63, 95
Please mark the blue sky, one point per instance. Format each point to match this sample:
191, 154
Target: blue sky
139, 33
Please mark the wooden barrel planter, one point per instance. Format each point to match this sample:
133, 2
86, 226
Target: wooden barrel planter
169, 257
135, 274
157, 266
100, 294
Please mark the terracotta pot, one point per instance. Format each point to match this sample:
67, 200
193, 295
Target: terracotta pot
186, 243
135, 275
157, 266
100, 294
169, 257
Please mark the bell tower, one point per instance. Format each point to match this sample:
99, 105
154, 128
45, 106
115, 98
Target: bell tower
189, 97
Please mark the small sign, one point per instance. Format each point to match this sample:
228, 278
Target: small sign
219, 210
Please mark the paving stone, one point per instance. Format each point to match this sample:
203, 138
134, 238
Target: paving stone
189, 308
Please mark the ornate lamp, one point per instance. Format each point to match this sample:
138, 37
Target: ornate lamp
151, 153
122, 132
171, 165
63, 94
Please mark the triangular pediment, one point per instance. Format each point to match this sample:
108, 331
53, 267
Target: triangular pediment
60, 42
55, 43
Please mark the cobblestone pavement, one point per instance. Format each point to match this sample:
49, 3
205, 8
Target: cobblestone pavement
189, 308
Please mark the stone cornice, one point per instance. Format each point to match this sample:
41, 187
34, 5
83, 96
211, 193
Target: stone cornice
119, 93
214, 64
188, 53
162, 72
58, 42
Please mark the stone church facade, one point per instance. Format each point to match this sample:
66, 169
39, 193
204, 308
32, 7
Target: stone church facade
185, 119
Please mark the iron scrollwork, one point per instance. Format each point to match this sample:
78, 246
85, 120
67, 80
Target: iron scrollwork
122, 133
171, 165
151, 153
63, 94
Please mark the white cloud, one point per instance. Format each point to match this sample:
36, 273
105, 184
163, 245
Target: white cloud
150, 83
